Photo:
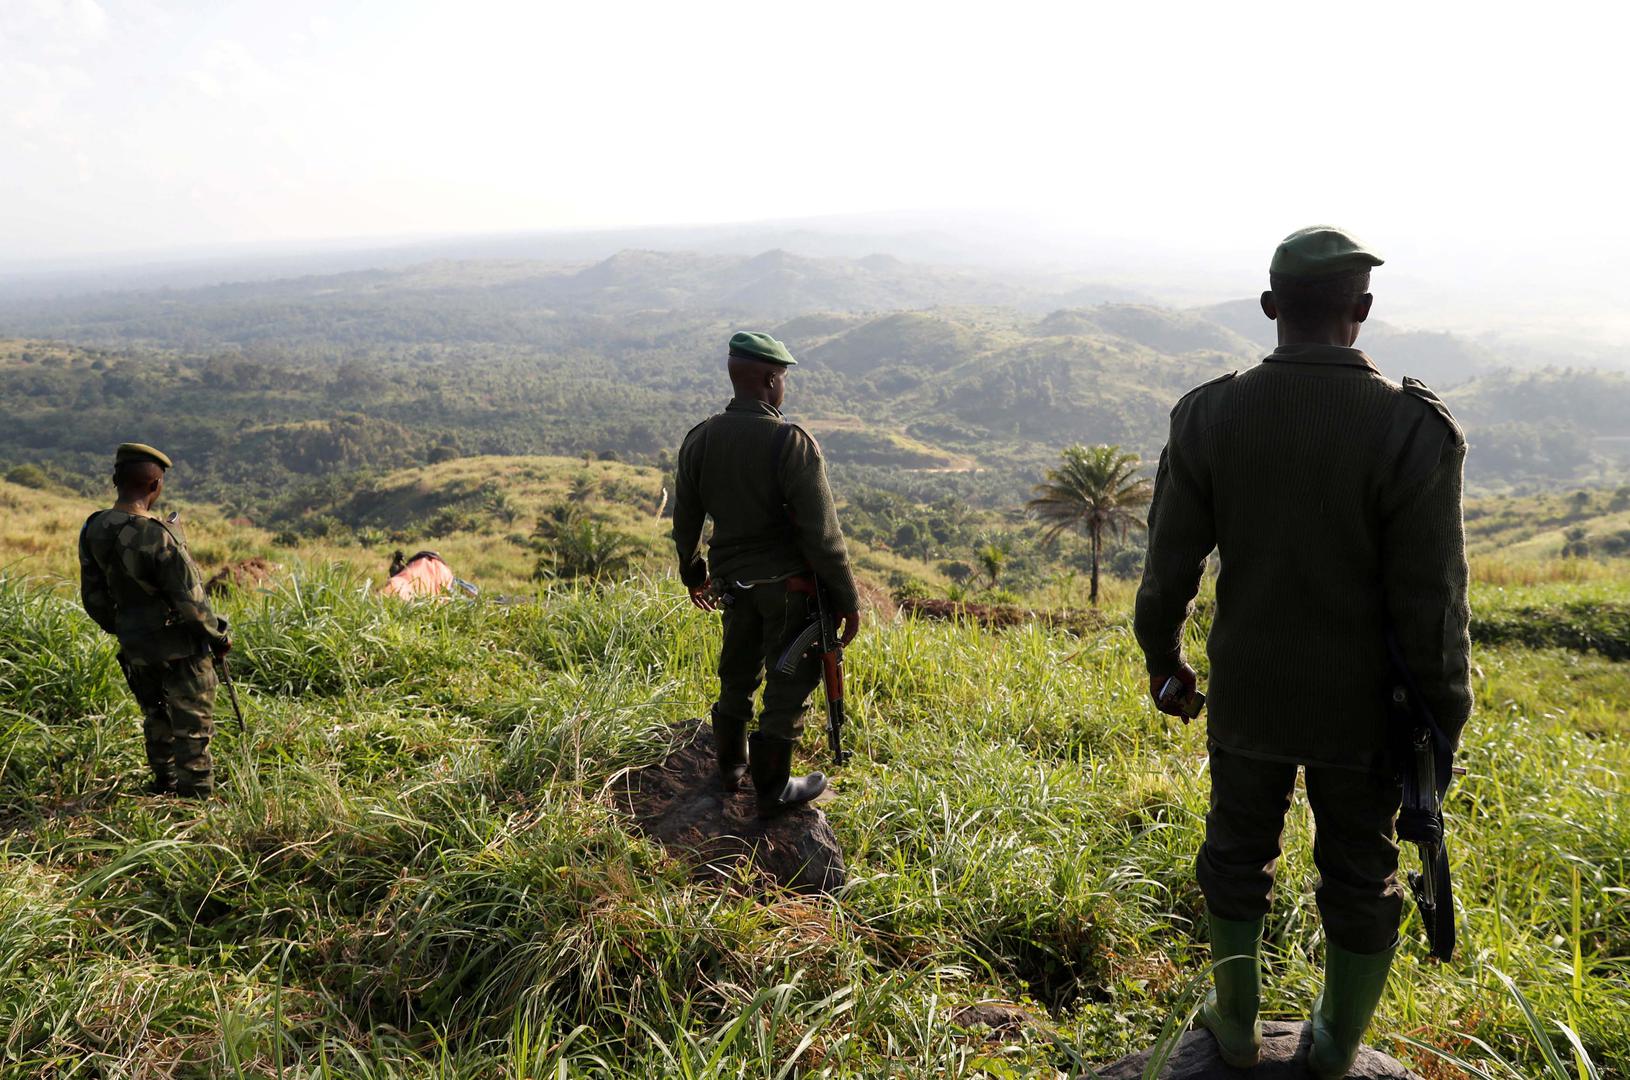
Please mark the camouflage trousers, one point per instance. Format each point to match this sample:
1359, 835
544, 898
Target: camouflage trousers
1358, 895
758, 625
177, 698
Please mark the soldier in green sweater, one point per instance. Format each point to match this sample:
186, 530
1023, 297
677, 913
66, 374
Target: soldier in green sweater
1332, 497
761, 479
139, 583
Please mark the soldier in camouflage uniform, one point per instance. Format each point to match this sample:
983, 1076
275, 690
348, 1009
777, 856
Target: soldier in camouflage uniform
139, 583
761, 479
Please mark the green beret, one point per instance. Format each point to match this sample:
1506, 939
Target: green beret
1321, 251
135, 451
752, 345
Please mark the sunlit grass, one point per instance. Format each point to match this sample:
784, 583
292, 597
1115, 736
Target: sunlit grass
416, 871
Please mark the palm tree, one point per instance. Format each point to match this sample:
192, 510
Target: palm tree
992, 556
1094, 489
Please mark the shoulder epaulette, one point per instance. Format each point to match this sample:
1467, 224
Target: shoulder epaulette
1208, 383
789, 426
1420, 391
693, 431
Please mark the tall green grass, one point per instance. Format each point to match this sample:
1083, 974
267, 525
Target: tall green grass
417, 868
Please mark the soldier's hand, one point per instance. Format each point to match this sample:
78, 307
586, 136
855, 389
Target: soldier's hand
702, 597
848, 627
1185, 675
221, 646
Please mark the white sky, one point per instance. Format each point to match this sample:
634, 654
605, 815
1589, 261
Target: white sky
1495, 133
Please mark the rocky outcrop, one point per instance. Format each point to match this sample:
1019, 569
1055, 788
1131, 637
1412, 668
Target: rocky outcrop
678, 803
1284, 1051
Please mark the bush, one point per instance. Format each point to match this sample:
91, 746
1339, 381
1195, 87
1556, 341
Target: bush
28, 476
1602, 627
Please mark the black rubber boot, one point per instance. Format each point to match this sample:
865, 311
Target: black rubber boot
730, 741
770, 760
161, 785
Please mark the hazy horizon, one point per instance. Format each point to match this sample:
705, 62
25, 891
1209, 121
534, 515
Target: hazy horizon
1451, 140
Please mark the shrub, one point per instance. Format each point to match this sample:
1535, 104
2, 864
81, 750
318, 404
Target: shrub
29, 476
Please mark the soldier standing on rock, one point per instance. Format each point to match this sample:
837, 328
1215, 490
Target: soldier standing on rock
1333, 499
761, 479
139, 583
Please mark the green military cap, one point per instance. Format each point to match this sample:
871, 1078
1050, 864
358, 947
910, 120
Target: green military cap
752, 345
1321, 251
135, 451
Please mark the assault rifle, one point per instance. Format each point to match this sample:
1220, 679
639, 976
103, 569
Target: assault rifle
821, 636
1426, 766
226, 673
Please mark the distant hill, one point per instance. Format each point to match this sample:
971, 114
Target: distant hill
933, 381
1438, 359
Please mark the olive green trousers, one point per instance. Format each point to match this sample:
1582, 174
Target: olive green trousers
759, 623
1358, 894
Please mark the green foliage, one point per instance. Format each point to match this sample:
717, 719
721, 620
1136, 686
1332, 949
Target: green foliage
416, 870
1094, 491
992, 555
1598, 626
573, 545
258, 386
29, 476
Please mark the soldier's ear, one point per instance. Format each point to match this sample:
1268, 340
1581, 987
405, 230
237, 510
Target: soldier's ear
1361, 310
1269, 308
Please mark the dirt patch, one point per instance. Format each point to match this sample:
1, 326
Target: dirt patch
1001, 616
998, 1019
679, 804
876, 601
246, 574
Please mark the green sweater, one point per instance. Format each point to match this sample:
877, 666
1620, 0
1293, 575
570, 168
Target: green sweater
1333, 499
772, 508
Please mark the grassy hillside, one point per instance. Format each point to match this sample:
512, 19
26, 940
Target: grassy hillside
481, 514
1542, 526
416, 869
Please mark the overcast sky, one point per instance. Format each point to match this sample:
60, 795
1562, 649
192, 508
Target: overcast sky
1491, 135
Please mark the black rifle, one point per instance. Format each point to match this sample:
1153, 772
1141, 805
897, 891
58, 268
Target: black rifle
1425, 760
223, 671
231, 691
821, 636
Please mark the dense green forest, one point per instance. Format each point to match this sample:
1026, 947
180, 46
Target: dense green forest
259, 388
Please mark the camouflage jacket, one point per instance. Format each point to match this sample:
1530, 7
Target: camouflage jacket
139, 583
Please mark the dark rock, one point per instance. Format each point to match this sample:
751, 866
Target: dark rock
679, 804
998, 1017
1284, 1050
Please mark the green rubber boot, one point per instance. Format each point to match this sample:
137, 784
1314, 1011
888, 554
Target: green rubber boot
1230, 1010
1353, 984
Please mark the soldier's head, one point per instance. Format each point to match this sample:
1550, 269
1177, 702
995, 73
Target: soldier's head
1316, 310
138, 473
758, 367
138, 481
1319, 286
